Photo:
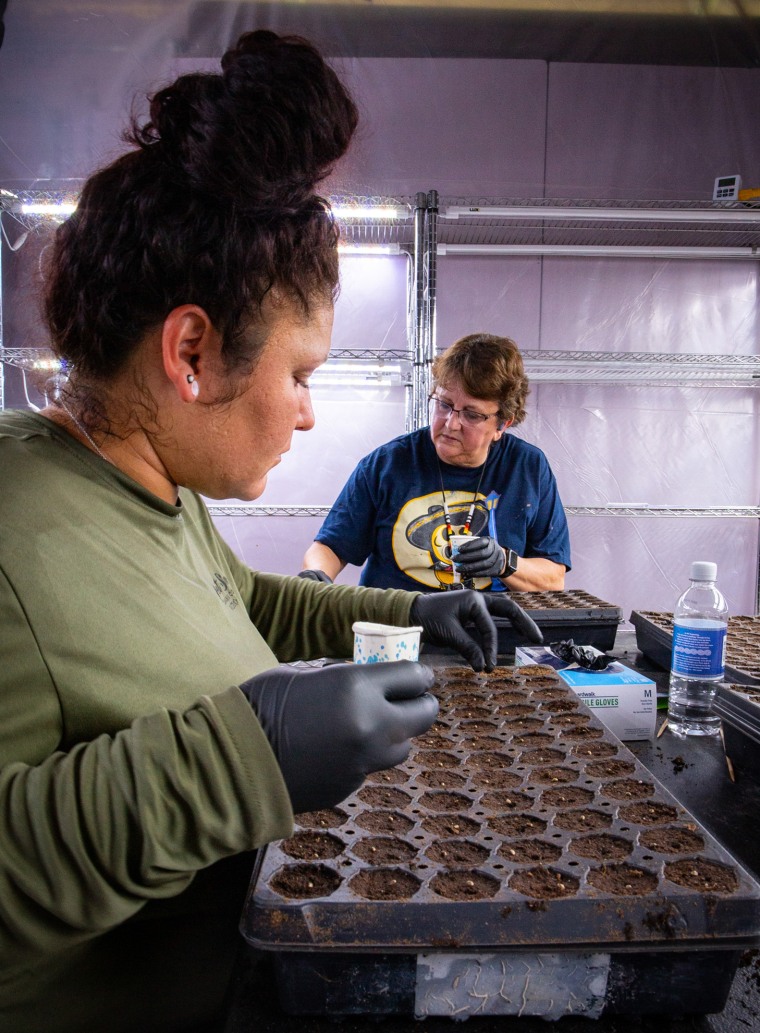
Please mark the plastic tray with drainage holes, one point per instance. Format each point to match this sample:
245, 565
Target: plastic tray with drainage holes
522, 855
654, 638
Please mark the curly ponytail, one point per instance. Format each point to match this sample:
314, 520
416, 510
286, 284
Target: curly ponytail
215, 205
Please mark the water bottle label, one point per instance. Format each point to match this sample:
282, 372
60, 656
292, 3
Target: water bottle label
699, 651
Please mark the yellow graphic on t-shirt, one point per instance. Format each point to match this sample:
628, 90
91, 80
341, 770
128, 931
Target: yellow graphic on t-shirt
420, 538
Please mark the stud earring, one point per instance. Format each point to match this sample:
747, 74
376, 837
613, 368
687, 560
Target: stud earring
194, 385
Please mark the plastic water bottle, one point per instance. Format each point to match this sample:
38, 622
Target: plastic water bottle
700, 620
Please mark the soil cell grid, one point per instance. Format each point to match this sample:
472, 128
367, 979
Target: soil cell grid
518, 820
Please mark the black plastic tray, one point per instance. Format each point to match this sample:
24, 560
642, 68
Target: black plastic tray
496, 835
739, 710
574, 614
638, 983
654, 638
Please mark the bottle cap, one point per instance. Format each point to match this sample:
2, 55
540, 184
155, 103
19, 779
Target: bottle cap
701, 570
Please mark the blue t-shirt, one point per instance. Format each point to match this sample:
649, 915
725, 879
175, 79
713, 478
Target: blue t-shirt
390, 513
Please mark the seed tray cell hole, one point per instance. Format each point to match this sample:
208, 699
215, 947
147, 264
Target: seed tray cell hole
553, 775
601, 847
495, 778
572, 796
623, 879
393, 776
457, 852
464, 885
488, 759
530, 851
312, 846
383, 796
385, 884
671, 840
628, 789
595, 749
383, 850
544, 883
442, 778
305, 880
702, 875
610, 768
536, 758
385, 821
583, 818
326, 819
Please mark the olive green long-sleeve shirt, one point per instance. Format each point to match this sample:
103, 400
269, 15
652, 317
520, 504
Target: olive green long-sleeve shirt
130, 762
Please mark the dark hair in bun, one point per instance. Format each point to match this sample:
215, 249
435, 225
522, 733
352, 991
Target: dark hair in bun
214, 206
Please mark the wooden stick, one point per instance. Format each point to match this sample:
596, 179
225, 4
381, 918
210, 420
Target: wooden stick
729, 763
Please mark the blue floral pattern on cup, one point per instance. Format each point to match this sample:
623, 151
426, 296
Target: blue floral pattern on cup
375, 644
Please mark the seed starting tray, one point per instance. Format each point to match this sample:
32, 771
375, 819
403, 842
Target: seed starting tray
574, 614
654, 638
521, 861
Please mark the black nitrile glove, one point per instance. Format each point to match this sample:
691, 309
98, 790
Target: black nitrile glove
480, 557
330, 726
443, 616
316, 575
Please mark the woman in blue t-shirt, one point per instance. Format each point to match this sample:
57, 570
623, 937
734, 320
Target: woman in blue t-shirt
461, 475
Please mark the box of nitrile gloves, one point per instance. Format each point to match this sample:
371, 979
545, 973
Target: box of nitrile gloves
623, 699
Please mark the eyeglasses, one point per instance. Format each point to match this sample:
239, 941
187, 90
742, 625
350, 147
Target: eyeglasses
469, 417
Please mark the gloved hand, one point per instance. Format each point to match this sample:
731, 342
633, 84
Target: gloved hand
443, 615
481, 557
330, 726
316, 575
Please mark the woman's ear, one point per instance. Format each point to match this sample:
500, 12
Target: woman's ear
189, 342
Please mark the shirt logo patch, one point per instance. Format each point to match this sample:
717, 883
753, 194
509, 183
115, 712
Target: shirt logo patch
420, 538
223, 590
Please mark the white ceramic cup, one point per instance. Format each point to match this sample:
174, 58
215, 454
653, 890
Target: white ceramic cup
377, 643
455, 540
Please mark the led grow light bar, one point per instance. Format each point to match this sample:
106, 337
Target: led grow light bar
348, 250
358, 374
369, 211
52, 208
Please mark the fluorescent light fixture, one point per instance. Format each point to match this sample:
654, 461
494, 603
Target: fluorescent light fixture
55, 208
599, 251
368, 211
353, 380
356, 372
347, 250
46, 365
538, 211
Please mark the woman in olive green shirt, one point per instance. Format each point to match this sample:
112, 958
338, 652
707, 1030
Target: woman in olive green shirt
148, 738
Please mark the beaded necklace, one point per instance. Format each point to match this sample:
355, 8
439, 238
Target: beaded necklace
471, 511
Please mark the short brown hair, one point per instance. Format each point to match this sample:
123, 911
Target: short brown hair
488, 367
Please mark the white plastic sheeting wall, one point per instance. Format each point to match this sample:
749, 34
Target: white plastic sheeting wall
502, 129
524, 129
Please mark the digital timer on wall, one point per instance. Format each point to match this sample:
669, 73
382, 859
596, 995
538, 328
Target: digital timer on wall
727, 188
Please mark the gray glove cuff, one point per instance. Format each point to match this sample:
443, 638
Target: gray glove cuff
316, 575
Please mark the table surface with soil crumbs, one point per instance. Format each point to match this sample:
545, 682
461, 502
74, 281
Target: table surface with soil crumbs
519, 819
